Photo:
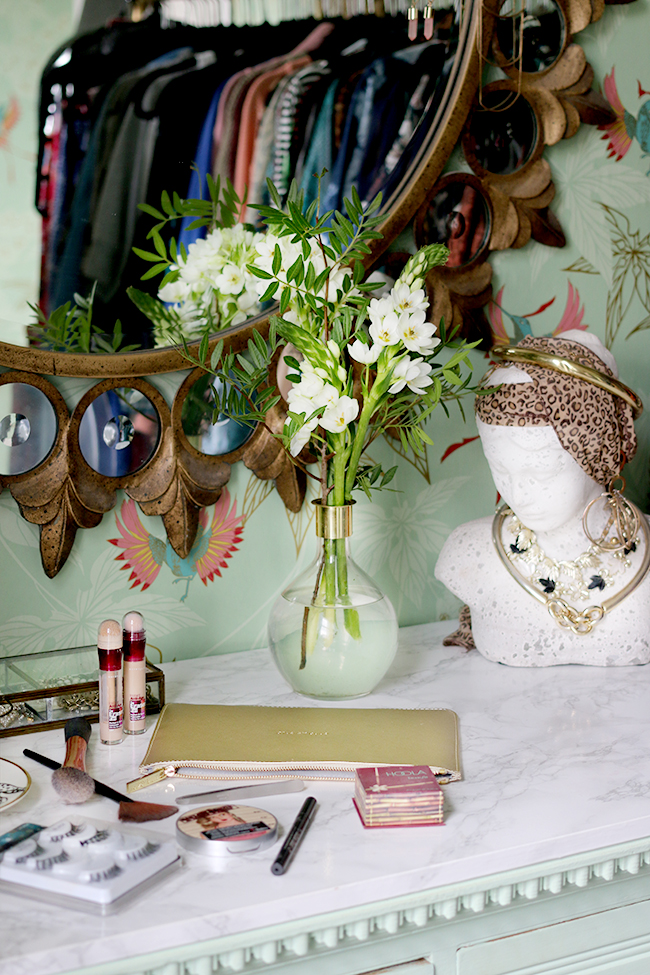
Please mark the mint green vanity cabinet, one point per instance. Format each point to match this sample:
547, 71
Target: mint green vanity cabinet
542, 866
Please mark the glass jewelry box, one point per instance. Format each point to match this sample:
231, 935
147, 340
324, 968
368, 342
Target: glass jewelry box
39, 691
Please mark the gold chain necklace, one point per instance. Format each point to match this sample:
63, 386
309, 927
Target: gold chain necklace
579, 622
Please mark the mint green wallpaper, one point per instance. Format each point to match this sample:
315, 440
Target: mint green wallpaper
601, 280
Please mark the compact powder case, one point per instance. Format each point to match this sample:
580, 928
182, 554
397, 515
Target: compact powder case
217, 831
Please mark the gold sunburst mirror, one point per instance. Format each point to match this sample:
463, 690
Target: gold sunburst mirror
517, 82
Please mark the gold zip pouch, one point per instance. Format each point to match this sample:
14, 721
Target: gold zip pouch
247, 741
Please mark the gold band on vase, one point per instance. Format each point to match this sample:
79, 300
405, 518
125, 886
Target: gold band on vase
568, 367
333, 520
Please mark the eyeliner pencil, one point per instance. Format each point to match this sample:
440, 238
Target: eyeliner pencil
300, 826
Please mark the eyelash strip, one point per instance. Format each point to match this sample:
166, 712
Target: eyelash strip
143, 851
46, 863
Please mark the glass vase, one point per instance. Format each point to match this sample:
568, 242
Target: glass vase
333, 633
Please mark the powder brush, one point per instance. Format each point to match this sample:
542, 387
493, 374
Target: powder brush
130, 810
71, 780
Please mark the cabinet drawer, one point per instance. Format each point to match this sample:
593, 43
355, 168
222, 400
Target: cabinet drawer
615, 942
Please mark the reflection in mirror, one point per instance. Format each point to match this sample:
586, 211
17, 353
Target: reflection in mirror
119, 432
502, 133
457, 216
134, 113
216, 439
538, 41
28, 427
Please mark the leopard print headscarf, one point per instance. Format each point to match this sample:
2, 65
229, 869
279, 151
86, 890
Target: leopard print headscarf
594, 426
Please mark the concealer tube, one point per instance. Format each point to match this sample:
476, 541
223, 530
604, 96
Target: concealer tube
111, 711
133, 644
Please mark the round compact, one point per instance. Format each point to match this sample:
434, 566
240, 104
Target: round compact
217, 831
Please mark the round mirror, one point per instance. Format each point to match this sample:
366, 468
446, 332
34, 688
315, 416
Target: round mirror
28, 428
457, 216
537, 42
502, 133
90, 216
119, 432
215, 439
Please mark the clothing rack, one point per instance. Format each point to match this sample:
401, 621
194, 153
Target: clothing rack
252, 13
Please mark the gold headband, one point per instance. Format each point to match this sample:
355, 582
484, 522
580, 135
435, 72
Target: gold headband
513, 353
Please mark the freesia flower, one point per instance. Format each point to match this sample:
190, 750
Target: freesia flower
301, 437
414, 373
409, 301
361, 352
416, 334
385, 331
336, 418
231, 280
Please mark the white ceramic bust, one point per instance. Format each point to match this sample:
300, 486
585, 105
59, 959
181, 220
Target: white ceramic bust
548, 491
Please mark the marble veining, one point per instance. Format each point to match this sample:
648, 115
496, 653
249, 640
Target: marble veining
555, 765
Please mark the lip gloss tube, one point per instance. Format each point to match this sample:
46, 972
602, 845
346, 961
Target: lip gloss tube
133, 646
111, 711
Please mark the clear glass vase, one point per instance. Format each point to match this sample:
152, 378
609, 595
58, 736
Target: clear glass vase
333, 633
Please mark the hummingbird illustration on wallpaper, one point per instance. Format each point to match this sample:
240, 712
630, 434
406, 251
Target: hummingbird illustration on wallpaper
620, 133
145, 554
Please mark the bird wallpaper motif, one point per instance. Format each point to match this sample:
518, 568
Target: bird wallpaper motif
218, 599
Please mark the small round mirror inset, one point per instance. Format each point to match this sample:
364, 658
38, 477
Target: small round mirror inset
535, 43
28, 427
458, 217
213, 439
503, 132
119, 432
14, 429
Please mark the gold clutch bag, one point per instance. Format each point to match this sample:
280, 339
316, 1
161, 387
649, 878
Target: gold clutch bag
230, 741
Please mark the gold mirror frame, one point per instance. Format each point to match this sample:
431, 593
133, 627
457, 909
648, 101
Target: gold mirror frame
63, 493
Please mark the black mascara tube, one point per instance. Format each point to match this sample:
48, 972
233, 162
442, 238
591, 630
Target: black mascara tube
295, 835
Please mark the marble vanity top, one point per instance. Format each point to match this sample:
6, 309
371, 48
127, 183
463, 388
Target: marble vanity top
555, 763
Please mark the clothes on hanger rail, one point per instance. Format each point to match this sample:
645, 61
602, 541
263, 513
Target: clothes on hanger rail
132, 110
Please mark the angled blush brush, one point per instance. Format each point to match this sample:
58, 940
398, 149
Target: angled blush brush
131, 811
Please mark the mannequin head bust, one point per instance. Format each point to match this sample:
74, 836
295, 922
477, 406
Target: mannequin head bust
554, 442
536, 477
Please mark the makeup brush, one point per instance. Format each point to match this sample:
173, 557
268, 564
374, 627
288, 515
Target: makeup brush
71, 780
131, 811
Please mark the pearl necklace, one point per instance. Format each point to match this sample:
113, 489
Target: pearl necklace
568, 574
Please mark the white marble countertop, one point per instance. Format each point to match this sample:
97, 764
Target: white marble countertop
555, 763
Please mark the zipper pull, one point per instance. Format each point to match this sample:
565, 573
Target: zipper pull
158, 775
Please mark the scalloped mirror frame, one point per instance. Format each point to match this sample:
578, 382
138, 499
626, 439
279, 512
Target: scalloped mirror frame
63, 493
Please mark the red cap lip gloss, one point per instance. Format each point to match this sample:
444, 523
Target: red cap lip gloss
134, 641
111, 711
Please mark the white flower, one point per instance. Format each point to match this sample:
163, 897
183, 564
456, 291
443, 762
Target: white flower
301, 437
336, 418
230, 281
415, 333
328, 396
361, 352
385, 331
409, 301
379, 308
414, 373
174, 292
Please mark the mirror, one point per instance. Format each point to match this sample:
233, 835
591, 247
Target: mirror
122, 434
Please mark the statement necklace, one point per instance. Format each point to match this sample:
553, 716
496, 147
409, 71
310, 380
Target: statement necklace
550, 581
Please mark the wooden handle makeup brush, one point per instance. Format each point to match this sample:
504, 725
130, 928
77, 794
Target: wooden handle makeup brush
71, 781
130, 811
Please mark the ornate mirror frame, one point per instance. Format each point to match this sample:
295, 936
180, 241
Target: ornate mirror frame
64, 493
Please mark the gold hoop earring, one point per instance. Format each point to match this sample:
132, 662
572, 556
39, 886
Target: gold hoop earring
622, 522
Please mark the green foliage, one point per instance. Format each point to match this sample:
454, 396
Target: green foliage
70, 328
